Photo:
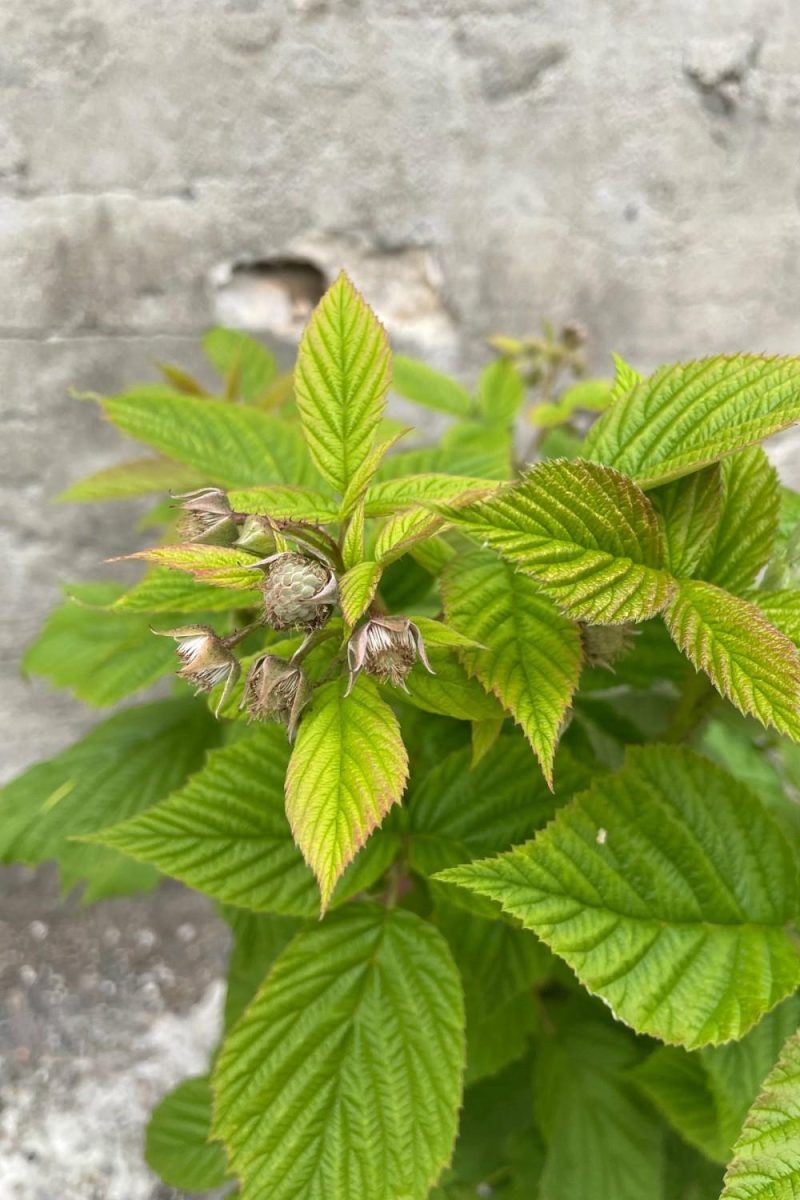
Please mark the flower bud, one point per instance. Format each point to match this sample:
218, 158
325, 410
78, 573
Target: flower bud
257, 534
276, 690
206, 659
604, 644
386, 647
298, 592
207, 517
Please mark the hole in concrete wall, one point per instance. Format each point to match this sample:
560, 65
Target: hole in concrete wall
271, 295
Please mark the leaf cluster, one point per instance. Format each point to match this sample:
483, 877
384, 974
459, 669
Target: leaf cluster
541, 776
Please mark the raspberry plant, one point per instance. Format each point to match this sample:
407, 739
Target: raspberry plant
491, 768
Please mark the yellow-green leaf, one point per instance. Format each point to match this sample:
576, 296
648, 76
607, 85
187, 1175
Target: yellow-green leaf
748, 660
348, 767
686, 416
585, 533
341, 380
533, 654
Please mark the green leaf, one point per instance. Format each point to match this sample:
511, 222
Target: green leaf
359, 1098
601, 1141
748, 660
230, 445
501, 392
341, 380
282, 501
226, 832
231, 351
690, 510
484, 735
766, 1157
177, 1145
258, 939
450, 691
589, 395
167, 591
139, 477
705, 1095
533, 657
667, 888
422, 384
501, 959
748, 525
348, 767
457, 814
413, 491
357, 588
626, 377
587, 535
220, 566
686, 416
101, 656
362, 478
781, 609
472, 448
123, 766
437, 633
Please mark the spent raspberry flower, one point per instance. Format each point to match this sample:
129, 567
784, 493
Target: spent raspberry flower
207, 661
276, 690
386, 647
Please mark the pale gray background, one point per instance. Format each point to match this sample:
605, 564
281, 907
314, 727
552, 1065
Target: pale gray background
476, 164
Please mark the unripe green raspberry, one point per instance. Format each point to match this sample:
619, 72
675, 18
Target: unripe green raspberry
298, 592
604, 644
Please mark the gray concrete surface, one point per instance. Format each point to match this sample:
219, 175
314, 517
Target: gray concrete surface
476, 165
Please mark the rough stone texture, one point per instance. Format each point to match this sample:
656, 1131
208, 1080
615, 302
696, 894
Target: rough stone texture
476, 164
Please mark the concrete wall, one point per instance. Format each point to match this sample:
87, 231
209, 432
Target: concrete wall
476, 164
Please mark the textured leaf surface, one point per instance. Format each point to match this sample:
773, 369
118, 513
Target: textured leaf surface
229, 444
457, 814
411, 491
418, 382
690, 510
748, 523
360, 1097
587, 535
705, 1094
124, 765
533, 654
348, 767
220, 566
357, 588
748, 660
341, 379
782, 609
676, 912
139, 477
282, 501
688, 415
166, 591
176, 1142
101, 656
226, 832
234, 352
450, 691
601, 1141
766, 1157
